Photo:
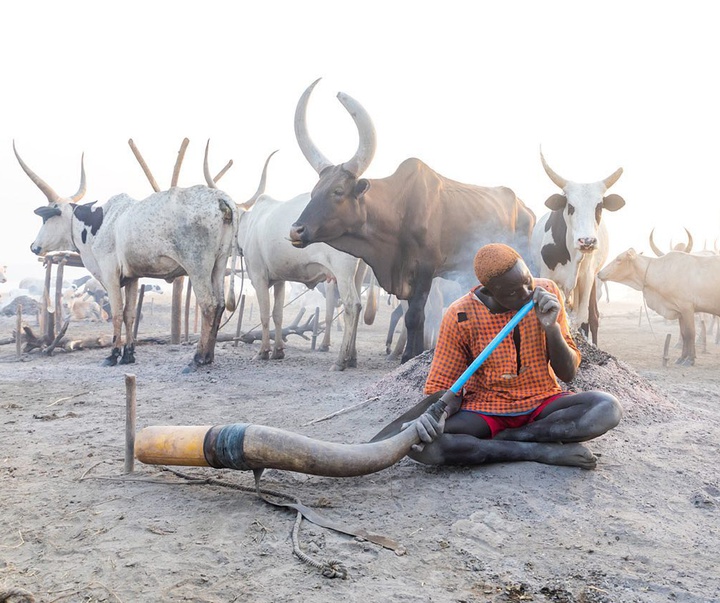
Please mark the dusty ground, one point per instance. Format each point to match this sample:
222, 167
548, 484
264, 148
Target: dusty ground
643, 527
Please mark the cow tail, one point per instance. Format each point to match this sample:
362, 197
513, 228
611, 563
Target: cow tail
230, 303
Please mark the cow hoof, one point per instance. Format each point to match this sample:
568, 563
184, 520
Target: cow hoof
278, 354
128, 357
337, 367
324, 348
112, 359
352, 363
263, 356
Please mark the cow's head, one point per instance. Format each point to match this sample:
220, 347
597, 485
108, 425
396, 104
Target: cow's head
336, 204
56, 231
622, 269
582, 206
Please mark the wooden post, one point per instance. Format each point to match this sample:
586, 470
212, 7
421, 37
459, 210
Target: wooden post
138, 311
240, 319
316, 328
666, 350
45, 304
176, 312
188, 295
18, 332
130, 416
58, 295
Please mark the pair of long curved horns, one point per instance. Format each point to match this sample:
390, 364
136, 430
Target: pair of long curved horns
366, 131
47, 190
656, 249
562, 182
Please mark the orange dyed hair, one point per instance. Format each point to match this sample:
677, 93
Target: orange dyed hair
493, 260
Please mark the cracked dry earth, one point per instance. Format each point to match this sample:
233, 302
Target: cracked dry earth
643, 527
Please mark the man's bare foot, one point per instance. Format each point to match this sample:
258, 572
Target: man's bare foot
571, 455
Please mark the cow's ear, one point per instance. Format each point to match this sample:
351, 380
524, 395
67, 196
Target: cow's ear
361, 187
556, 201
613, 202
632, 254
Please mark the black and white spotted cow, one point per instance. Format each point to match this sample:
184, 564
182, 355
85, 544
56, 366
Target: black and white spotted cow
570, 243
180, 231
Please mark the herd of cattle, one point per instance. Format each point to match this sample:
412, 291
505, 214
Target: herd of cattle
410, 229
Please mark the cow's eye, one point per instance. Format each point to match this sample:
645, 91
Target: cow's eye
338, 192
571, 209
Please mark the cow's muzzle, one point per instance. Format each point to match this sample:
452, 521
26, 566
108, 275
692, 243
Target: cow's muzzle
298, 236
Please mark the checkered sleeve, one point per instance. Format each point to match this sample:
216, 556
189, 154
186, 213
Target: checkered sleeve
451, 353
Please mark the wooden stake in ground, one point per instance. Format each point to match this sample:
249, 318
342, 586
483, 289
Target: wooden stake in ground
18, 332
130, 416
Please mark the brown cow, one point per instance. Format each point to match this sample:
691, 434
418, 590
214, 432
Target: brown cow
676, 286
409, 227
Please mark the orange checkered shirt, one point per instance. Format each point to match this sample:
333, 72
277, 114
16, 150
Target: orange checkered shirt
499, 386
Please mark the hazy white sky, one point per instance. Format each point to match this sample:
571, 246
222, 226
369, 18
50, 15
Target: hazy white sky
471, 88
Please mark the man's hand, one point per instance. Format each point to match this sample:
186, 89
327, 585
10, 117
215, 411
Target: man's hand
428, 429
547, 307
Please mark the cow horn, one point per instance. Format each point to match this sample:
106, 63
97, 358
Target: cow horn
51, 195
689, 246
366, 131
243, 446
654, 247
261, 187
315, 158
206, 168
83, 187
178, 162
612, 178
559, 180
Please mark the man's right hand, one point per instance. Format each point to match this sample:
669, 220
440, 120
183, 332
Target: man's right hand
428, 429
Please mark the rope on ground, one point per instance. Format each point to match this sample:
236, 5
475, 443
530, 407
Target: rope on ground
329, 569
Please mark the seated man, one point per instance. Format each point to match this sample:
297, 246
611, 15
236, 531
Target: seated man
512, 408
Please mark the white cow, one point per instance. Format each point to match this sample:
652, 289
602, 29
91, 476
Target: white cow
181, 231
570, 243
271, 260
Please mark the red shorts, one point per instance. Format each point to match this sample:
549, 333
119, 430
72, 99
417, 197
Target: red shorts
499, 422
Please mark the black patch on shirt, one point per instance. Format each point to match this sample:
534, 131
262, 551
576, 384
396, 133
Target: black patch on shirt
461, 317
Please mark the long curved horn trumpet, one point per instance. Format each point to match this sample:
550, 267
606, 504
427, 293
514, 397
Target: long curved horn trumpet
245, 447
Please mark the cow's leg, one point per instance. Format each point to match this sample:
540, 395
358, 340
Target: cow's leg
415, 317
116, 303
131, 297
394, 319
331, 294
687, 330
209, 294
262, 291
594, 313
277, 314
349, 290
